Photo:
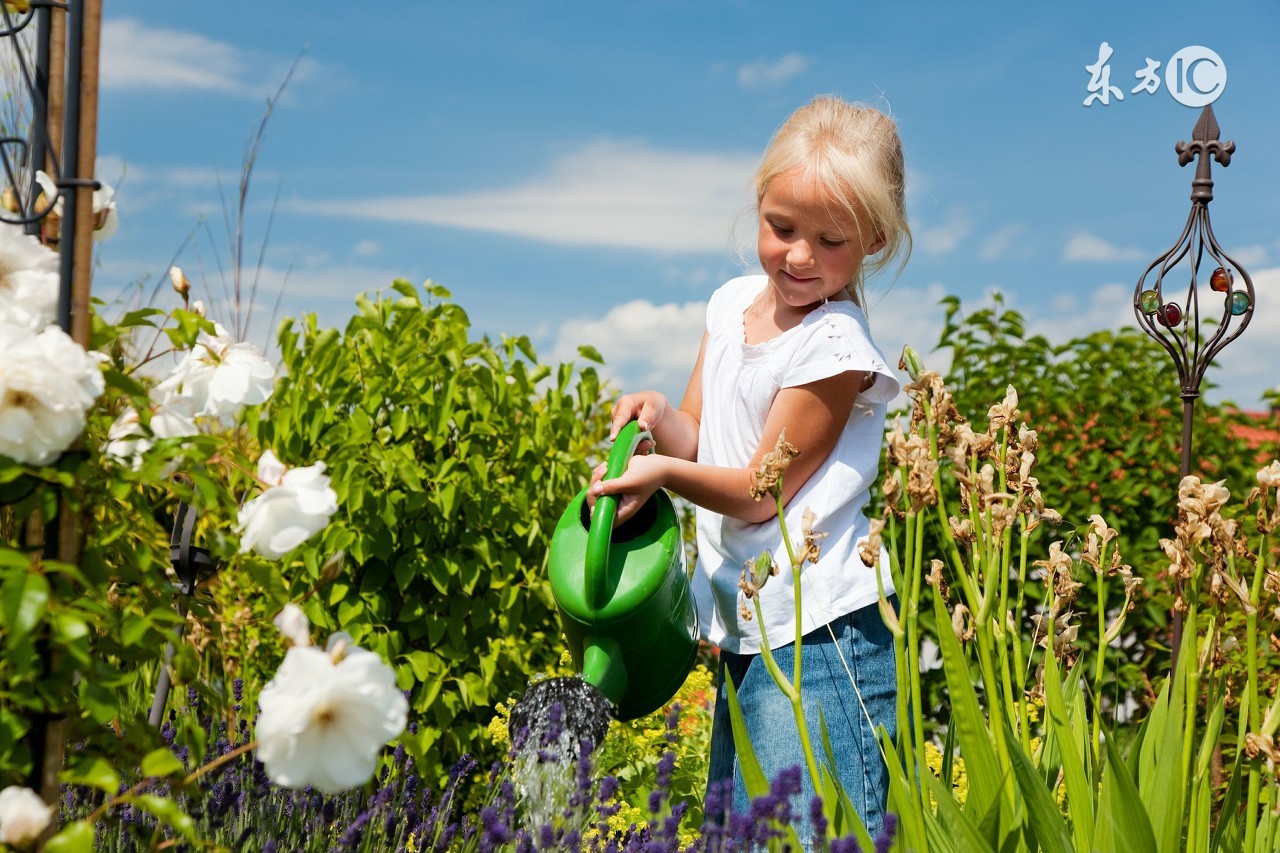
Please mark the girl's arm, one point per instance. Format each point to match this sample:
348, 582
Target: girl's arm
674, 430
813, 416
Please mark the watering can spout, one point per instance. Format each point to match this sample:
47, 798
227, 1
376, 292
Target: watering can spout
623, 593
603, 668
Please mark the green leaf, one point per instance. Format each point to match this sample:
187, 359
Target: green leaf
966, 835
916, 825
848, 822
23, 601
1121, 814
590, 353
986, 778
96, 773
1045, 820
752, 776
168, 811
1164, 787
162, 763
75, 837
1080, 791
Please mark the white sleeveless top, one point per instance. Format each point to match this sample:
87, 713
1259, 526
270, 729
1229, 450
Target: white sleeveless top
739, 383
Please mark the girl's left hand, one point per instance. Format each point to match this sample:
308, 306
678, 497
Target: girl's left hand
644, 476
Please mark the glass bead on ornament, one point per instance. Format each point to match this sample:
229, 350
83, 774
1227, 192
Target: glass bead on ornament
1150, 301
1239, 303
1171, 314
1221, 280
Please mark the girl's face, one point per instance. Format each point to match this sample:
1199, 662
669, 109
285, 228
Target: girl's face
810, 246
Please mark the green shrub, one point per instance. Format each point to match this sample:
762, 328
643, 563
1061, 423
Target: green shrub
452, 459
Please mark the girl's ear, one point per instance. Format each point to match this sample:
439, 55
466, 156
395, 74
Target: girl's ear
877, 244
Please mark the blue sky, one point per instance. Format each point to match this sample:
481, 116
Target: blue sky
573, 171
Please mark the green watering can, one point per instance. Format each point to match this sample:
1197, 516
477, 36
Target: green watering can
623, 594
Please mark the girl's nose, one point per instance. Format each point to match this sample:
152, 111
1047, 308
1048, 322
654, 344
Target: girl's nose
799, 254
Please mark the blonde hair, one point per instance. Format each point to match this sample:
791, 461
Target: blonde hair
853, 153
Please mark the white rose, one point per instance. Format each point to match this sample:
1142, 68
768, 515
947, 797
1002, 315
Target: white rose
171, 417
294, 625
325, 716
28, 280
104, 207
221, 375
297, 504
23, 816
47, 383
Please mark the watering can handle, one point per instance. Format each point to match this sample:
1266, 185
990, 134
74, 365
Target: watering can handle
624, 447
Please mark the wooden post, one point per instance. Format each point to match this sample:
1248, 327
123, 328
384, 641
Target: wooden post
86, 156
57, 87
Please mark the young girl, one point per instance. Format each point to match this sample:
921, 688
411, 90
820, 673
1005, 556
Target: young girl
790, 350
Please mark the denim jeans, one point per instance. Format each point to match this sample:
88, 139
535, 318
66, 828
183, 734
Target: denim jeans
867, 649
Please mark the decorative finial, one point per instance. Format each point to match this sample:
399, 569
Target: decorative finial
1205, 143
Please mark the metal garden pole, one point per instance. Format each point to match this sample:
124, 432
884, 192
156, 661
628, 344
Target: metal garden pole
1227, 305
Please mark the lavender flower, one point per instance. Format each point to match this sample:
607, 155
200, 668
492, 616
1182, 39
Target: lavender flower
665, 765
817, 819
672, 721
495, 830
350, 839
887, 831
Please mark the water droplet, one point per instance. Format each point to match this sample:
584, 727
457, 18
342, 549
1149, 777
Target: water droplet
584, 714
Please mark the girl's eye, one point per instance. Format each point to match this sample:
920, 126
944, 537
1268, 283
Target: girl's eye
832, 243
780, 230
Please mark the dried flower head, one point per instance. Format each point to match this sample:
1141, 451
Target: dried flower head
1004, 413
756, 573
1267, 496
1063, 633
936, 580
961, 531
869, 548
891, 488
962, 623
767, 478
1131, 585
1058, 576
811, 548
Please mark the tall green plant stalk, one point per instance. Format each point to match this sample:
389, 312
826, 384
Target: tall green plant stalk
958, 504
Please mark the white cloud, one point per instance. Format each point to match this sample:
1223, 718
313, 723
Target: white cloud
1250, 256
365, 248
645, 346
908, 316
1073, 315
1002, 241
1246, 367
757, 75
603, 193
1087, 247
141, 57
946, 237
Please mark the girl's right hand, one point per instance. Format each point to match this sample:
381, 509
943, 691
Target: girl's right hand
647, 407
